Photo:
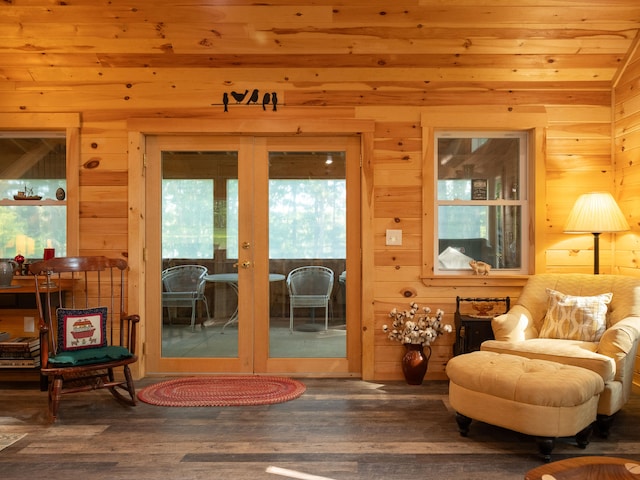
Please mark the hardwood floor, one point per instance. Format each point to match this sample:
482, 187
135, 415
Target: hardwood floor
339, 429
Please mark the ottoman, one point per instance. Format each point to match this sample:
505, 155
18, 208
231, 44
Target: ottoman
534, 397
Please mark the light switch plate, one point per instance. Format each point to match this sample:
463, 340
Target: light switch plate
394, 237
29, 324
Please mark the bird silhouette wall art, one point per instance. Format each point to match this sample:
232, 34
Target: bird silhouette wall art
268, 98
239, 97
225, 101
254, 97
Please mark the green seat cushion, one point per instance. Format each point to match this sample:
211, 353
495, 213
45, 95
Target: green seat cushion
89, 356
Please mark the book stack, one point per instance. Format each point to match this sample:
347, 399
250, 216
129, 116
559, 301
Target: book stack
20, 352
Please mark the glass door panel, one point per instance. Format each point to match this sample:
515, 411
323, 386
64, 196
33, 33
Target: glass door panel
195, 187
311, 219
308, 243
199, 253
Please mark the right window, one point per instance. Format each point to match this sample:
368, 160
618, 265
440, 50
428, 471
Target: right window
481, 201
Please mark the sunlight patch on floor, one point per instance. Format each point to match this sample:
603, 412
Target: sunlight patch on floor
283, 472
8, 439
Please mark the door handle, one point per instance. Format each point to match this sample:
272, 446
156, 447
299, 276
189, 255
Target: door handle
245, 264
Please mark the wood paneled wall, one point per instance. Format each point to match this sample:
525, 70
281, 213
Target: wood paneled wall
576, 158
626, 129
118, 61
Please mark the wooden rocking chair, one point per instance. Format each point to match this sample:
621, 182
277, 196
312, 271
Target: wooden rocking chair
85, 332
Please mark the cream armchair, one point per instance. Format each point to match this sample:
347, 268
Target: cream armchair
613, 357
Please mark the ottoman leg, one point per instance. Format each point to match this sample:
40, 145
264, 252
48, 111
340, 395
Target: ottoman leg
545, 445
463, 424
584, 436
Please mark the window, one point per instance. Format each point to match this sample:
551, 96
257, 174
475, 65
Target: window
311, 213
187, 218
307, 218
314, 210
200, 202
481, 201
33, 207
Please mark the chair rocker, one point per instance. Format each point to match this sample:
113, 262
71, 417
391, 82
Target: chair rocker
85, 332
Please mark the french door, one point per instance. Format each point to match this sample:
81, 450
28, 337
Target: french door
246, 212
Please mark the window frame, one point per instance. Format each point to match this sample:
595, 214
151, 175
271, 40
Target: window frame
522, 201
69, 123
532, 120
47, 209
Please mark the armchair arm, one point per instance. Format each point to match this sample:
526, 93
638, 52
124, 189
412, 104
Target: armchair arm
514, 326
618, 339
620, 342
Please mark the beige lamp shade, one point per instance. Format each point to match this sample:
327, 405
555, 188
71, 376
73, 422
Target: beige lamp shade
596, 212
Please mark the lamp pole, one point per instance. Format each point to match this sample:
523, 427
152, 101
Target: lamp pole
596, 253
595, 213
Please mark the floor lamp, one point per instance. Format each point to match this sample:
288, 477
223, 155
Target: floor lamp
596, 213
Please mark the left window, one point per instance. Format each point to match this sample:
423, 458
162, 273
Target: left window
33, 185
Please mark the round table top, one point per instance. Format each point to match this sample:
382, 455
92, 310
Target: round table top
233, 277
579, 468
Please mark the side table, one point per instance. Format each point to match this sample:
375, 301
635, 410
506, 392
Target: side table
580, 468
473, 321
19, 300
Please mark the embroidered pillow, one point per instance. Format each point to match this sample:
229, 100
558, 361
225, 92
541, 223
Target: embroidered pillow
81, 328
575, 318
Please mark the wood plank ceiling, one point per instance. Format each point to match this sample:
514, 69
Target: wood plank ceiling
346, 53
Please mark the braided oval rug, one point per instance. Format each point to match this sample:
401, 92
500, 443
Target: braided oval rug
222, 391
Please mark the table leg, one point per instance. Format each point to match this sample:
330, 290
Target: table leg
234, 316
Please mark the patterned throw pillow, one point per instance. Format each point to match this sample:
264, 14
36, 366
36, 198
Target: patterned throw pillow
81, 328
575, 318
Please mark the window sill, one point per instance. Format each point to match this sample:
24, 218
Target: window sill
30, 203
474, 280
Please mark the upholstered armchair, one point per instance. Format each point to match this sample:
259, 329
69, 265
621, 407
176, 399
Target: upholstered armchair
552, 320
